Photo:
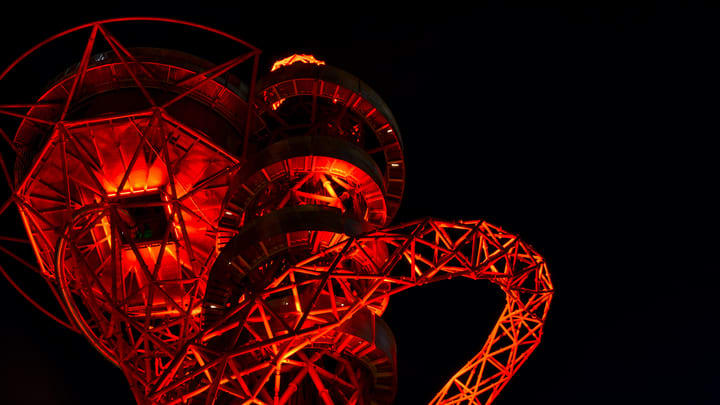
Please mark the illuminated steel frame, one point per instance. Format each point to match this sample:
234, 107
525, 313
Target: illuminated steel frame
141, 303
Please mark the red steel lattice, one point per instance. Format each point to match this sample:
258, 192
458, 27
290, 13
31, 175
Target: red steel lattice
243, 256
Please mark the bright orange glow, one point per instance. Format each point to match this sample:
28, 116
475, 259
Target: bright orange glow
142, 189
277, 104
296, 58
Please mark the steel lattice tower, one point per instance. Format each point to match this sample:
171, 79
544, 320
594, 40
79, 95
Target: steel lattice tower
227, 239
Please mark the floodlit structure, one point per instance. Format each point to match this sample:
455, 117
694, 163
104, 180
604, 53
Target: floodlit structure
223, 235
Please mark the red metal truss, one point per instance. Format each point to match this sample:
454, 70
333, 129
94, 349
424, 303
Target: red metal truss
243, 257
418, 253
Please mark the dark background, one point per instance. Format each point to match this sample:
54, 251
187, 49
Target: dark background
586, 130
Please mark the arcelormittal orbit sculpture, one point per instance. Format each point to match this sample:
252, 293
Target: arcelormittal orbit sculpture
227, 239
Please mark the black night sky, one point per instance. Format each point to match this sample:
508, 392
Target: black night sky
586, 130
